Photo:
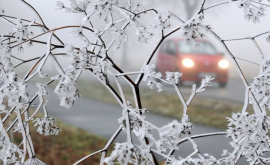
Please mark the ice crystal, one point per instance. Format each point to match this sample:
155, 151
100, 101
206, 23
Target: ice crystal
21, 30
192, 30
250, 137
67, 91
163, 20
150, 75
9, 152
75, 6
33, 161
125, 153
253, 9
47, 126
173, 77
171, 133
261, 86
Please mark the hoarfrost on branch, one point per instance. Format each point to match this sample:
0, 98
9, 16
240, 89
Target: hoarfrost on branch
249, 133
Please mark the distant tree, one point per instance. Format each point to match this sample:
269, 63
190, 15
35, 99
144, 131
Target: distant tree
190, 7
187, 7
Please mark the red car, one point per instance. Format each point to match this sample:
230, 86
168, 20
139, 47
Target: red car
175, 55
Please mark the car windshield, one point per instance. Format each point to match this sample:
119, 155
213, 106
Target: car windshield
206, 48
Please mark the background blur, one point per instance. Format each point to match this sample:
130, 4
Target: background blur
227, 21
212, 106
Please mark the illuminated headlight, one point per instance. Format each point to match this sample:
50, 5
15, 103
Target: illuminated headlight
188, 63
223, 64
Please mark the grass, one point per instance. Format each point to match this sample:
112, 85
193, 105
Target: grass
68, 147
209, 112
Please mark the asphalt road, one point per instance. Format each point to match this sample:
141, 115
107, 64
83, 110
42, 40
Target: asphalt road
101, 119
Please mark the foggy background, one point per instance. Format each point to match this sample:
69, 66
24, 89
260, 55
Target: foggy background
226, 20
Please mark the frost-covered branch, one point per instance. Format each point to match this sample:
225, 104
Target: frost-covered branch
248, 132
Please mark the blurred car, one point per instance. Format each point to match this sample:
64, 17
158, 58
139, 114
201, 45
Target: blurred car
195, 64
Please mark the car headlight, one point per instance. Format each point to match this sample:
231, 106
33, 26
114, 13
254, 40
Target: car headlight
188, 63
224, 64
